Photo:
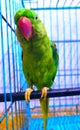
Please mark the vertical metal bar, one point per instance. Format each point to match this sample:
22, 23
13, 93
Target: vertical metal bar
3, 68
77, 51
78, 3
71, 47
64, 3
71, 2
57, 21
23, 3
14, 66
43, 12
17, 72
30, 3
57, 3
64, 57
8, 55
11, 40
50, 23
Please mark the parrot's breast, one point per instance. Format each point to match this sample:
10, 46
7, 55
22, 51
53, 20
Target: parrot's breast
39, 69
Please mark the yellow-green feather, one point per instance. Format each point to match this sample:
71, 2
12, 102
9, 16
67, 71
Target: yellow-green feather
44, 106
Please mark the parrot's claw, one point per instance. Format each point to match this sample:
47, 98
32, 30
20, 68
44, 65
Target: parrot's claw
28, 93
44, 92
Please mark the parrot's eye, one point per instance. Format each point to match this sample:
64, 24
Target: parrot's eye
36, 17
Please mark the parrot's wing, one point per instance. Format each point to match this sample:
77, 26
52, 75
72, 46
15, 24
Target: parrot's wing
55, 58
54, 48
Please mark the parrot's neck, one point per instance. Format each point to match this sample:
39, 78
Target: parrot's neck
37, 48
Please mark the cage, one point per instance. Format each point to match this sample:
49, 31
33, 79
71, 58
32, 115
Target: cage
61, 20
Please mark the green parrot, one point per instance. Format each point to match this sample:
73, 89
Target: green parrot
39, 56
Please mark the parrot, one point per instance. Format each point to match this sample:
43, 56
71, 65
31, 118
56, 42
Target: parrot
40, 57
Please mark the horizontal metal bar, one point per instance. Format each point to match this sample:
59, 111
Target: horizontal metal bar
57, 8
67, 41
18, 96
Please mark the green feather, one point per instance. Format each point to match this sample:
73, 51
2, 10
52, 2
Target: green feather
40, 57
24, 12
44, 105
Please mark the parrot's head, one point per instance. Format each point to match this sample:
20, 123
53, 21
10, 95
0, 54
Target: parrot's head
29, 24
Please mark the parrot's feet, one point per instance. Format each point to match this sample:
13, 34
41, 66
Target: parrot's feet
28, 93
44, 92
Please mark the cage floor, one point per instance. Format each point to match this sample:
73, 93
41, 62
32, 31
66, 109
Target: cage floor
57, 123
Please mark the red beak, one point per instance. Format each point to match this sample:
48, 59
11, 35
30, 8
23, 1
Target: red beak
25, 27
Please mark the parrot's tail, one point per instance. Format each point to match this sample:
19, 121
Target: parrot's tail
44, 106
